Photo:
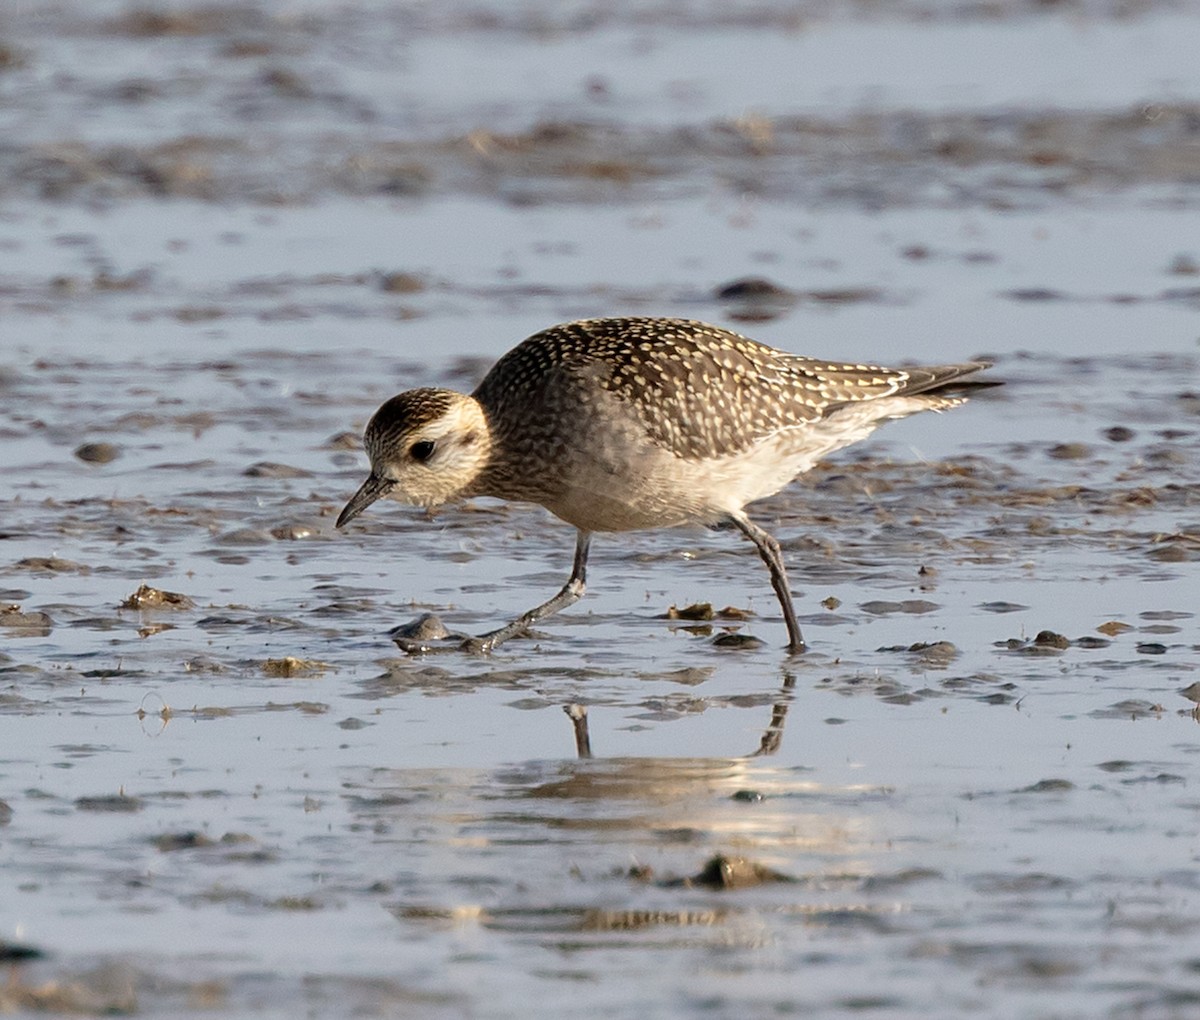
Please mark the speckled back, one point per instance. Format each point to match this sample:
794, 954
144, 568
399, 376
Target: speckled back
698, 390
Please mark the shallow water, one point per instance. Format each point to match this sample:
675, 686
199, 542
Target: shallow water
251, 801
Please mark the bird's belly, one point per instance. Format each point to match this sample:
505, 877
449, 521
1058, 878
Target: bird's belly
656, 489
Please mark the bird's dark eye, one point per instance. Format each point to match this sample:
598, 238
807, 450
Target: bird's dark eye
421, 450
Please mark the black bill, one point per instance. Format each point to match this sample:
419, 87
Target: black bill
372, 489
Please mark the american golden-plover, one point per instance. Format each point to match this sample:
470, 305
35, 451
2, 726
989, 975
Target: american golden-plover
628, 423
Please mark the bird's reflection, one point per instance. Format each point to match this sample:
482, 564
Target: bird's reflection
771, 740
637, 830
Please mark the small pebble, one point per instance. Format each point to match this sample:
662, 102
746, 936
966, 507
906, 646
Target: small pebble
1170, 552
344, 441
1070, 451
267, 469
1184, 265
1114, 627
1035, 294
737, 641
752, 288
119, 803
11, 952
14, 618
401, 283
1002, 607
97, 453
1048, 786
244, 536
293, 532
426, 627
188, 840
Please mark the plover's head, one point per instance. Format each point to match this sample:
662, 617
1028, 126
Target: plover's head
427, 447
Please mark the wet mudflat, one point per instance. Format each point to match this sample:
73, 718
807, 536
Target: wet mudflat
227, 234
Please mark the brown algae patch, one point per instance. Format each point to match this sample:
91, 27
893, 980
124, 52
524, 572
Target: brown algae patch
705, 611
50, 565
147, 597
725, 872
290, 666
117, 803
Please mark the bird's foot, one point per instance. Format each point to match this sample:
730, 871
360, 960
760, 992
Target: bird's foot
476, 645
486, 643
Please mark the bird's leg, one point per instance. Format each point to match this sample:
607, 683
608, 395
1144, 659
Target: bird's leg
771, 555
571, 593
